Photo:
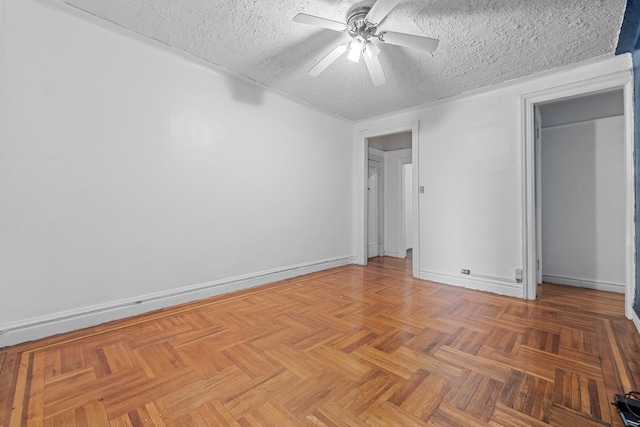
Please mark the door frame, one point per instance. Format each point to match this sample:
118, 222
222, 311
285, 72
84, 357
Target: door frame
618, 80
538, 165
360, 189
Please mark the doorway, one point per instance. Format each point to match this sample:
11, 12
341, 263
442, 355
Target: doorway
375, 212
614, 81
393, 150
580, 198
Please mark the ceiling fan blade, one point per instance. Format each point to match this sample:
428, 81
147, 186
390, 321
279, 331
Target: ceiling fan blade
328, 60
380, 10
316, 21
375, 70
409, 40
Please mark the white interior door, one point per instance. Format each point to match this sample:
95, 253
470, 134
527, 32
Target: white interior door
373, 210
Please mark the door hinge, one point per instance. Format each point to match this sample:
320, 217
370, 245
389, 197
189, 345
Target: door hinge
537, 133
538, 264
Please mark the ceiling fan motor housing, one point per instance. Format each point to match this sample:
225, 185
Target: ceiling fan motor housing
359, 26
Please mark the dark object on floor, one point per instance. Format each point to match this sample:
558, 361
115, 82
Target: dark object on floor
629, 408
410, 253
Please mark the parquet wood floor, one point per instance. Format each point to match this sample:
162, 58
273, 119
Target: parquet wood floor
353, 346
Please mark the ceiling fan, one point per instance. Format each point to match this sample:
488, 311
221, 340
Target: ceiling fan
366, 40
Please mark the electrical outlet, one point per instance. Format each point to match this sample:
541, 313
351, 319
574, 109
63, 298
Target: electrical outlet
519, 275
466, 271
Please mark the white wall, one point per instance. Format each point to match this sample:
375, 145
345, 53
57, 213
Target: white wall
393, 220
583, 204
129, 173
471, 166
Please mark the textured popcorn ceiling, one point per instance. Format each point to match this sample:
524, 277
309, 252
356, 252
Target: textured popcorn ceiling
482, 42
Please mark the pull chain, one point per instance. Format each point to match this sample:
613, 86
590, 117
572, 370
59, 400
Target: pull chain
363, 77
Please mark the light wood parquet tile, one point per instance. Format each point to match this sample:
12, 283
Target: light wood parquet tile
388, 414
421, 395
332, 414
353, 346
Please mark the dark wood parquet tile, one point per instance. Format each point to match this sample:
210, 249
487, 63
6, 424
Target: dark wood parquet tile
353, 346
581, 394
528, 394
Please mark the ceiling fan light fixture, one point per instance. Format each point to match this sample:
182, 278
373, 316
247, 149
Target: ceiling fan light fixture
355, 50
371, 50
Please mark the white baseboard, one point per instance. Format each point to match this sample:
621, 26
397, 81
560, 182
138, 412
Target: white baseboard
57, 323
395, 254
480, 284
583, 283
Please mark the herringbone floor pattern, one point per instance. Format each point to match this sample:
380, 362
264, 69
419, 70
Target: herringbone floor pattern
354, 346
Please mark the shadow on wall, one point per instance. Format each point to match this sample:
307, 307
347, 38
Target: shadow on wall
308, 50
245, 91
